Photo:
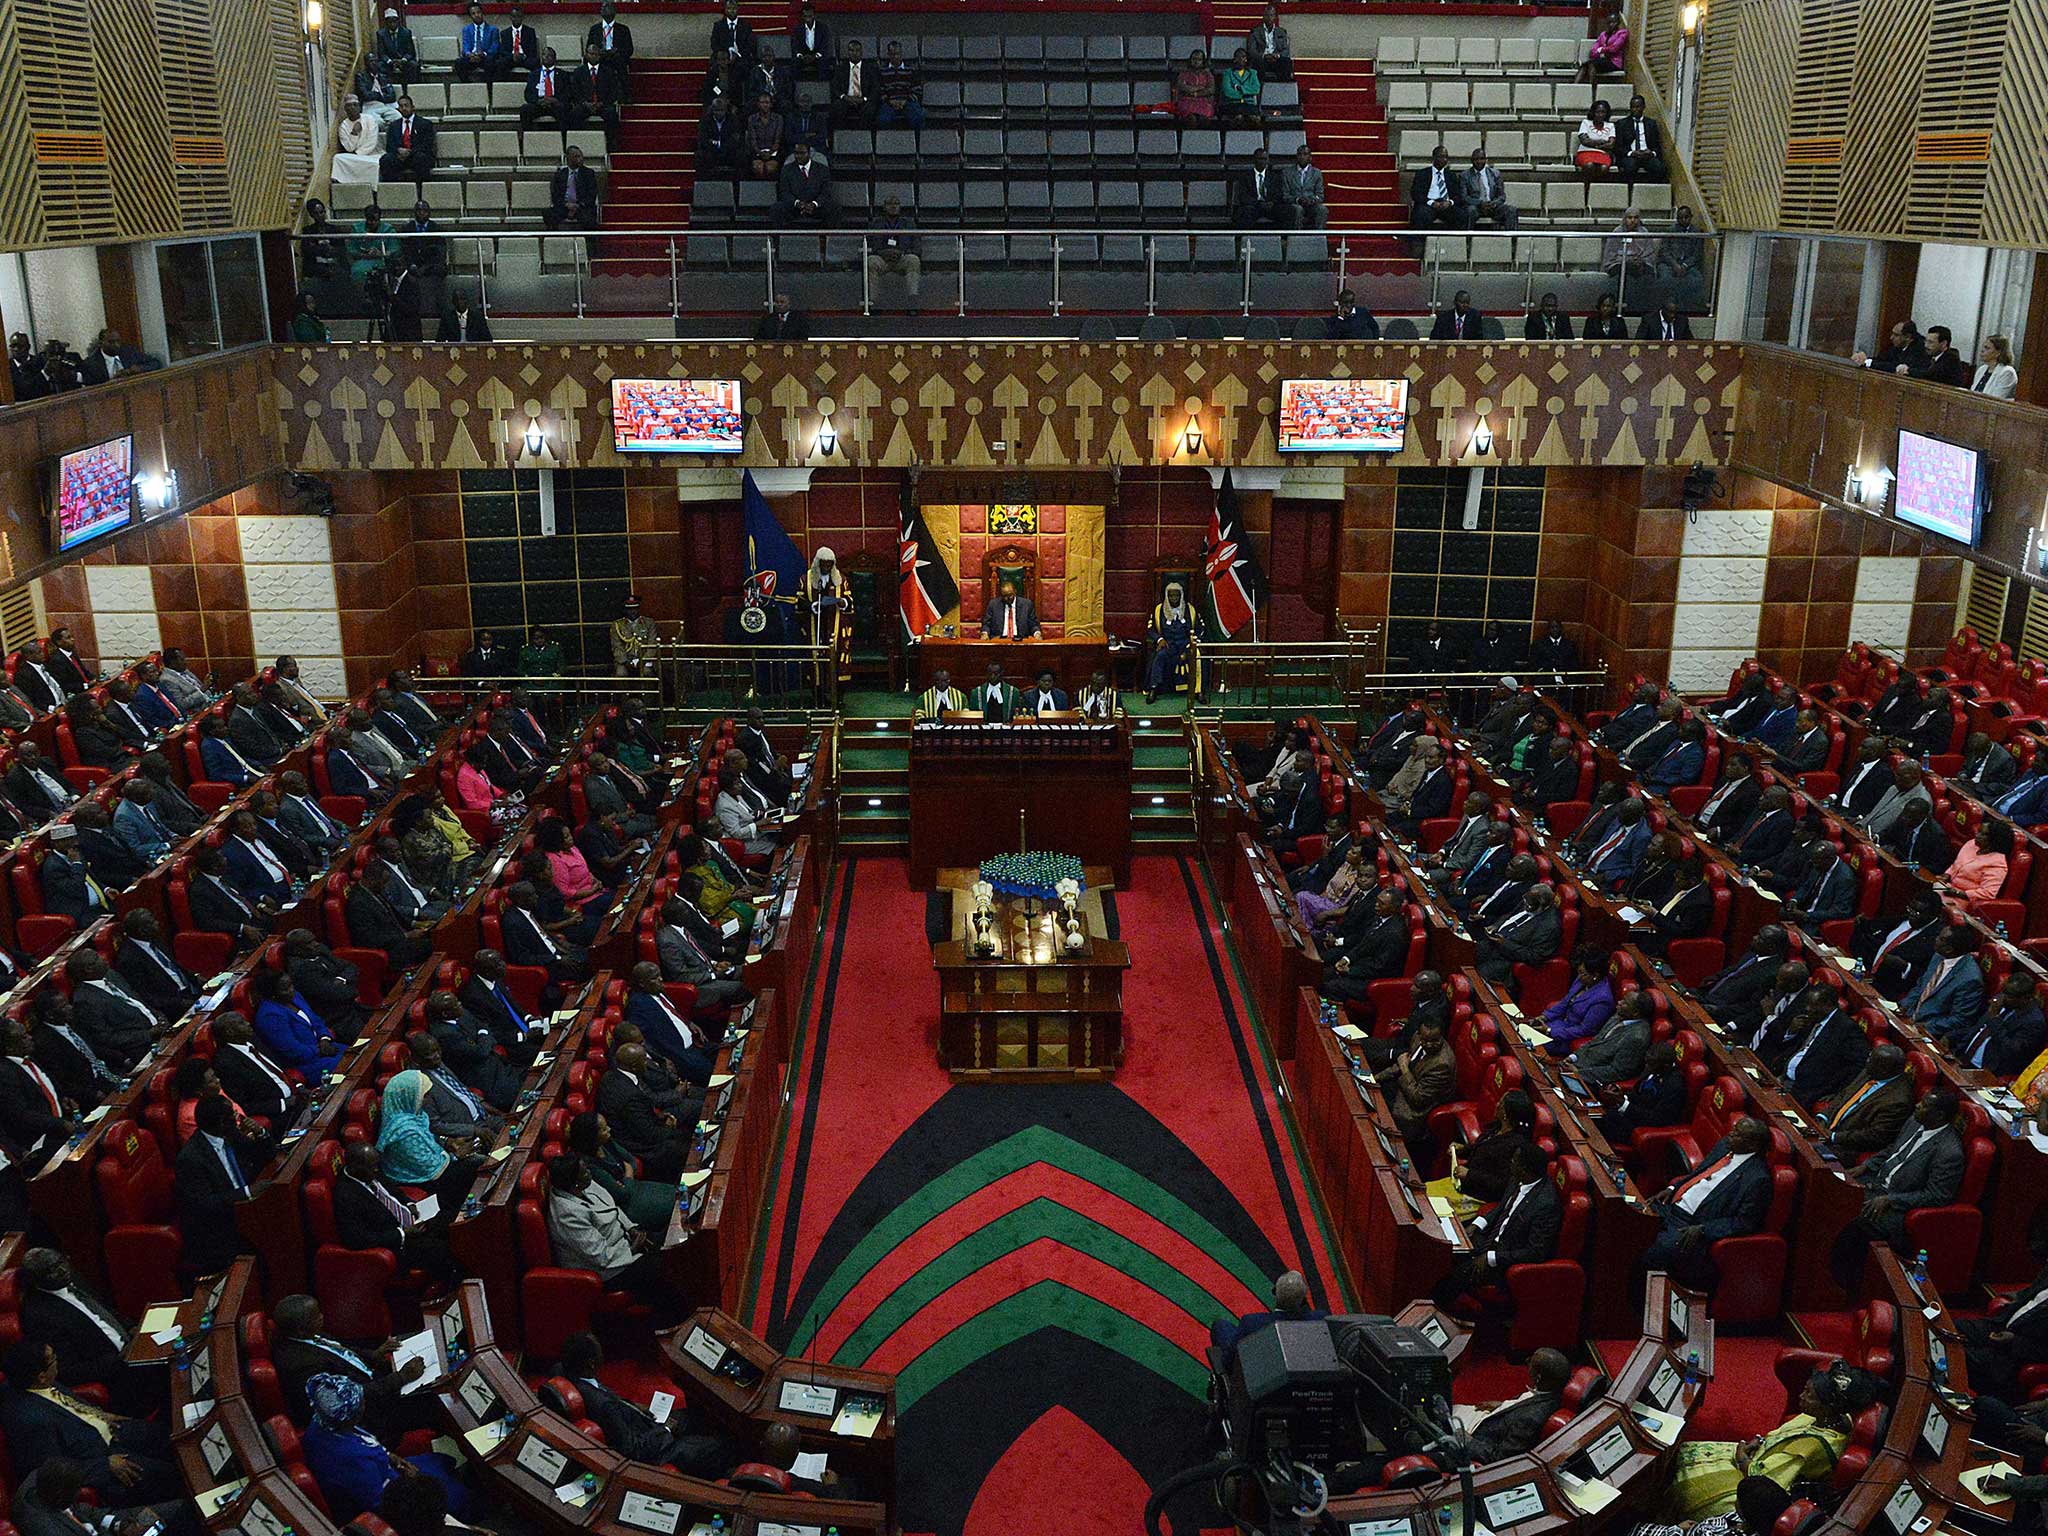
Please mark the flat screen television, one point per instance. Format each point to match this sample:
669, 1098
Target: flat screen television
1942, 487
677, 416
1343, 415
92, 493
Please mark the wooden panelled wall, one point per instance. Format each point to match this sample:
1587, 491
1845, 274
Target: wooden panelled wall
1918, 118
1015, 405
139, 119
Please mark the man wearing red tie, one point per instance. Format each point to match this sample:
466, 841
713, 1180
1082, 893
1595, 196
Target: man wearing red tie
1010, 616
33, 1115
409, 141
1728, 1195
547, 94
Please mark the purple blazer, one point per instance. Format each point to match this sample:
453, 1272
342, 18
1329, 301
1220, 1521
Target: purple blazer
1580, 1012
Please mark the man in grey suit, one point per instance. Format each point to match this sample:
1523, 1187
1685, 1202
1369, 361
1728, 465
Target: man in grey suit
1922, 1167
1301, 188
1486, 195
1617, 1051
1271, 53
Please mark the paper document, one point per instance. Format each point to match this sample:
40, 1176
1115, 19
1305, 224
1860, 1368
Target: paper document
486, 1438
1590, 1495
1975, 1479
1629, 915
1349, 1032
660, 1406
859, 1419
809, 1464
425, 1347
1664, 1428
645, 1512
157, 1319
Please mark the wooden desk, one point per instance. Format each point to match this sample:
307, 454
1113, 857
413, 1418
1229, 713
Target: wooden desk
1073, 659
968, 782
1278, 951
1033, 1010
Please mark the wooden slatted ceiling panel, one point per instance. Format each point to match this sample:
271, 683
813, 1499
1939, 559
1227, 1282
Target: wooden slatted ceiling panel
2034, 631
21, 612
261, 106
1878, 153
1760, 101
1819, 115
139, 60
1657, 26
20, 178
265, 202
60, 92
1984, 598
1721, 34
1959, 81
2014, 211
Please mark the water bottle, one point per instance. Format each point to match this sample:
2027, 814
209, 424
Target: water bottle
1918, 1273
509, 1425
1692, 1368
472, 1207
590, 1485
2000, 931
181, 1354
1443, 1518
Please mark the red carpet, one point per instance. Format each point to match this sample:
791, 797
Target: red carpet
1039, 1265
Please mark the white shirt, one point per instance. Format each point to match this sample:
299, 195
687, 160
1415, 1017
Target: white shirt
1792, 1066
120, 994
74, 1297
1439, 183
1997, 380
1497, 1223
1695, 1197
255, 1059
263, 856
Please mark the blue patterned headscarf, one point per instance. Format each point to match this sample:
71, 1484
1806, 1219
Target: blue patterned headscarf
337, 1401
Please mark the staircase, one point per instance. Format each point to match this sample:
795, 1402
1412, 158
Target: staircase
1162, 794
874, 785
653, 169
1347, 133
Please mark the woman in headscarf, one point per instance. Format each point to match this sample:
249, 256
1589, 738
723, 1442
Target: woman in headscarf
722, 888
408, 1149
1804, 1448
350, 1464
824, 598
1175, 632
646, 1202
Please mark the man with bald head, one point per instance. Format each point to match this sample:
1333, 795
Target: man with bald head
1291, 1303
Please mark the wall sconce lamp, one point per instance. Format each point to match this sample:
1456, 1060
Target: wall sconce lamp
156, 491
316, 18
536, 440
1689, 17
1191, 440
828, 438
1867, 487
1482, 437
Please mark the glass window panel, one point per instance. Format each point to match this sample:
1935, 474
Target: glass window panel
1837, 286
238, 290
187, 292
1773, 277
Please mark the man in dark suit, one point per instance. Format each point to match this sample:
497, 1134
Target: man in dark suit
111, 357
631, 1430
812, 45
596, 90
368, 1215
1666, 323
1893, 951
303, 1349
250, 1075
1617, 856
1520, 1228
466, 1044
1681, 761
572, 204
89, 1336
120, 1025
1638, 145
1865, 780
1922, 1167
1988, 769
1547, 322
1010, 617
2011, 1335
1948, 994
216, 906
1516, 1427
1657, 1098
1256, 196
1428, 1003
1365, 949
34, 1115
1727, 810
1460, 322
1806, 751
1739, 985
1436, 195
35, 680
144, 962
32, 784
483, 995
518, 47
251, 867
733, 35
300, 814
1767, 832
667, 1028
1867, 1114
209, 1181
1528, 937
1045, 696
1916, 840
1729, 1195
1825, 1053
1617, 1050
528, 942
855, 81
1944, 364
2011, 1033
409, 145
374, 923
68, 887
126, 1461
462, 321
83, 1077
804, 190
1351, 321
551, 93
637, 1123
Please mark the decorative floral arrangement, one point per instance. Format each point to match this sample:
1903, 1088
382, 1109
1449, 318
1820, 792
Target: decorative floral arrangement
1031, 874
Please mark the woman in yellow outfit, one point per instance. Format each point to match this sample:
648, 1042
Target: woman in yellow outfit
1804, 1448
721, 888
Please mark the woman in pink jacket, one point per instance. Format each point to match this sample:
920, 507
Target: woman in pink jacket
1979, 870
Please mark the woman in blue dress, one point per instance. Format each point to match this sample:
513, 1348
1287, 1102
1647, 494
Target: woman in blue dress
351, 1465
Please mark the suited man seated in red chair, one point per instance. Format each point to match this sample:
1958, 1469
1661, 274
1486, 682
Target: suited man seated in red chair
1010, 617
1729, 1195
1519, 1228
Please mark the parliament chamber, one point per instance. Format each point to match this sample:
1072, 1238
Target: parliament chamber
1426, 916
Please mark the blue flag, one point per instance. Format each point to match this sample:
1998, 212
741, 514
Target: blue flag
774, 564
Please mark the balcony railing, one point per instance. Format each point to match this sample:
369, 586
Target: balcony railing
698, 276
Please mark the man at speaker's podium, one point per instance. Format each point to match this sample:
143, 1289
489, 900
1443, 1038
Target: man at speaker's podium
1010, 617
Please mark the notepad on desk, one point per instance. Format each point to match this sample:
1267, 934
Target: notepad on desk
157, 1319
1630, 915
1589, 1495
1973, 1481
1530, 1034
486, 1438
214, 1500
1664, 1428
859, 1419
1349, 1032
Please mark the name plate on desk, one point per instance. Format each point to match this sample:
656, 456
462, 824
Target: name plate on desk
259, 1519
1903, 1508
542, 1460
477, 1395
806, 1397
1400, 1527
705, 1349
1510, 1506
1664, 1384
644, 1512
214, 1446
1434, 1331
776, 1528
